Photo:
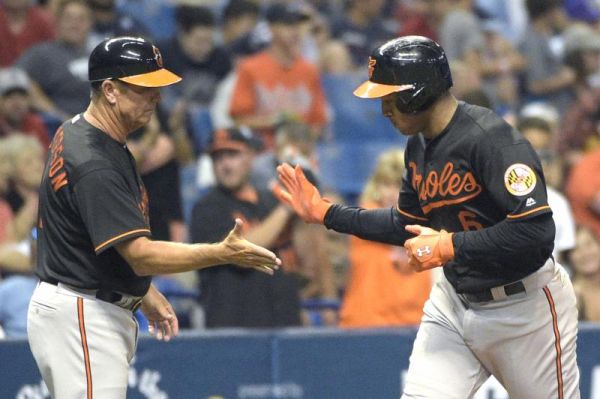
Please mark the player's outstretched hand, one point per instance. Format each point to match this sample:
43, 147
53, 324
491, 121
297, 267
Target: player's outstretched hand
241, 252
162, 321
300, 194
430, 248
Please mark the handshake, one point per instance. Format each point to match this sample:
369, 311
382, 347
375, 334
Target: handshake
430, 248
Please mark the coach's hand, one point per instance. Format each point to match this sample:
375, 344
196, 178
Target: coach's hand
300, 194
430, 248
241, 252
162, 321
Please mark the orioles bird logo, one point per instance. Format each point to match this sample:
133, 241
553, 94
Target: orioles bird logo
157, 56
372, 62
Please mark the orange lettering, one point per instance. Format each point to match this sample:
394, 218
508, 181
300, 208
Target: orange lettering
57, 162
59, 181
447, 183
56, 166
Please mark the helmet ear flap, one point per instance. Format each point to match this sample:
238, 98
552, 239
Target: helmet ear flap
412, 101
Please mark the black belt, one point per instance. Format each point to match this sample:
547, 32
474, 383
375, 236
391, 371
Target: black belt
128, 302
124, 301
486, 295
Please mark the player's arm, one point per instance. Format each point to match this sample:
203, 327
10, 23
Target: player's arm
512, 173
381, 225
505, 238
147, 257
113, 219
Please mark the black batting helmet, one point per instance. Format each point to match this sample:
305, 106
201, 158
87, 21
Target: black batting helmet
415, 67
130, 59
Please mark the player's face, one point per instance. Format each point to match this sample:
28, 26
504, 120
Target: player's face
232, 168
407, 124
136, 104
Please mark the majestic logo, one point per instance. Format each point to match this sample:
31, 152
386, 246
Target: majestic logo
157, 56
530, 202
519, 179
372, 62
443, 188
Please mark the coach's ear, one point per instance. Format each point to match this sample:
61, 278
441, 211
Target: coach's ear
109, 90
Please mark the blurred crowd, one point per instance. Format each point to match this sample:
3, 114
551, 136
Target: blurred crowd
268, 81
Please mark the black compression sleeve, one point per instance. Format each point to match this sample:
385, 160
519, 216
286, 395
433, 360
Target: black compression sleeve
382, 225
504, 238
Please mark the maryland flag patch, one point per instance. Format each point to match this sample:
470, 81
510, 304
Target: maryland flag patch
519, 179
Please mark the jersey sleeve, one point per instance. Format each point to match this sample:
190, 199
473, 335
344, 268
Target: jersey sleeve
512, 175
109, 209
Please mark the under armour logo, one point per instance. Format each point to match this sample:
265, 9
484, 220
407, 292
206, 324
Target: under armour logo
423, 251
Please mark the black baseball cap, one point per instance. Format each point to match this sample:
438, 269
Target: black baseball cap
286, 14
132, 60
234, 139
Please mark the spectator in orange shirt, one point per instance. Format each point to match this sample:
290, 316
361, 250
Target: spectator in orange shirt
22, 24
382, 289
277, 83
583, 190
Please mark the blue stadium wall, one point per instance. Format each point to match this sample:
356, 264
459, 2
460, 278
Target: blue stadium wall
282, 364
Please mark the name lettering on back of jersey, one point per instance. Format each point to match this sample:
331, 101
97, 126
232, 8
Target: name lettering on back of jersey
519, 179
56, 171
443, 188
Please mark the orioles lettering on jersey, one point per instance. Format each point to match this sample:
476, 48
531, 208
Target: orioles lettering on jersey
56, 171
447, 187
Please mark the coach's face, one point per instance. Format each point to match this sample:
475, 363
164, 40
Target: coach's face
134, 104
407, 124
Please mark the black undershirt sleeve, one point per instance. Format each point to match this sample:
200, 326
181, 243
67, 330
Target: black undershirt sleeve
385, 225
505, 238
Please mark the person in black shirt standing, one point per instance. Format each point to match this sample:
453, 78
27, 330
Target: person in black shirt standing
473, 201
95, 258
238, 297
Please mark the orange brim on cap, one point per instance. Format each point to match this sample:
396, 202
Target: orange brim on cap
375, 90
158, 78
231, 145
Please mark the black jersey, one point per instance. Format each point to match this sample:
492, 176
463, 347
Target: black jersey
241, 297
478, 172
91, 198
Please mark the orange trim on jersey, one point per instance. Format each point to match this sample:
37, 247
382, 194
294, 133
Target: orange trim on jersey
84, 345
105, 243
409, 215
528, 212
557, 346
438, 204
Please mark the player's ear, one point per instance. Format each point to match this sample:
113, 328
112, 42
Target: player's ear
109, 89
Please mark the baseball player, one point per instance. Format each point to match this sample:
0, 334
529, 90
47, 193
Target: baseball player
473, 201
95, 257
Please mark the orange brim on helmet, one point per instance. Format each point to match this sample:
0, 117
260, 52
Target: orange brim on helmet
159, 78
375, 90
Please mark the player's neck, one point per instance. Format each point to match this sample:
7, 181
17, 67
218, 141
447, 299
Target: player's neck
101, 118
441, 114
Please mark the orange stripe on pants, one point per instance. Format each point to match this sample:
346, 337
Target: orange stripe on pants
556, 343
84, 345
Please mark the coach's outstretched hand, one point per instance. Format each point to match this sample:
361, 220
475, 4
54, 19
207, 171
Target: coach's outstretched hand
162, 321
241, 252
430, 248
300, 194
